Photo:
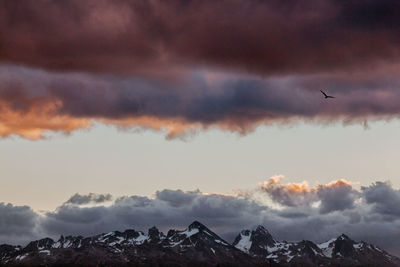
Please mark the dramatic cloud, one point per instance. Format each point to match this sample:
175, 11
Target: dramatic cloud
88, 199
157, 36
366, 218
33, 102
185, 66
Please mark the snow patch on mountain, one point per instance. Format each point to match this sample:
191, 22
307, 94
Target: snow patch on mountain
326, 244
191, 232
244, 244
327, 247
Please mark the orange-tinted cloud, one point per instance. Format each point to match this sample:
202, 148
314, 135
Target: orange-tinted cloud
336, 195
37, 121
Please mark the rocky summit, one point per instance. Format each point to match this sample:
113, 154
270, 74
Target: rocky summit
195, 246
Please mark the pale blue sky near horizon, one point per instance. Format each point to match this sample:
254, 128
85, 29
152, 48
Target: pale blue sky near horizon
46, 173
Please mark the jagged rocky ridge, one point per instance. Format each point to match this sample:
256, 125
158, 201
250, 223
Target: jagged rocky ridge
196, 245
341, 251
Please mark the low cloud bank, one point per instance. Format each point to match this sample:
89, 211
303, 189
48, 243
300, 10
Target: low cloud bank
304, 212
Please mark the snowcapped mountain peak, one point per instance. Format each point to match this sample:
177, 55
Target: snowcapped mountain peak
261, 229
155, 235
343, 237
194, 235
245, 232
41, 244
262, 235
197, 225
204, 230
255, 242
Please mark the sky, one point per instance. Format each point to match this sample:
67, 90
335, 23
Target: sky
105, 160
129, 114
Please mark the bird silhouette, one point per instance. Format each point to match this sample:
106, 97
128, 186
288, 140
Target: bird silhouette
326, 96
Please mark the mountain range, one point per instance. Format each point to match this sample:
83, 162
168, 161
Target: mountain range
197, 245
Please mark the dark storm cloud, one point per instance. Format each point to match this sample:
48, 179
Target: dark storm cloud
370, 15
89, 198
34, 102
184, 66
157, 36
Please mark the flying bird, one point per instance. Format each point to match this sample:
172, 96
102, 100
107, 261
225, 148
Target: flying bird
326, 96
